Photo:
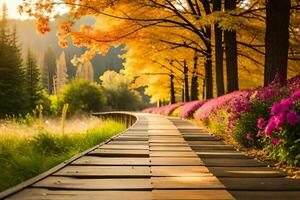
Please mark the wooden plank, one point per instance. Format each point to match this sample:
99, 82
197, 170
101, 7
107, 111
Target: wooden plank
45, 194
201, 138
166, 137
186, 183
249, 172
94, 184
92, 160
261, 184
192, 130
266, 195
119, 153
213, 147
222, 154
172, 154
130, 139
184, 171
197, 143
170, 148
192, 195
169, 161
167, 140
231, 162
105, 171
168, 144
164, 134
129, 142
132, 147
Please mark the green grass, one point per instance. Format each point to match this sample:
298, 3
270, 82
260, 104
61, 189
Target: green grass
25, 155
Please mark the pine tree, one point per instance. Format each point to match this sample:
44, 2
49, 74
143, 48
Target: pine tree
12, 94
32, 76
48, 69
61, 73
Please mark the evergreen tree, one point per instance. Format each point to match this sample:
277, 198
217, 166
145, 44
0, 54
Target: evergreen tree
32, 81
12, 94
48, 69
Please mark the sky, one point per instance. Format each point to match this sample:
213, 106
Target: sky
12, 6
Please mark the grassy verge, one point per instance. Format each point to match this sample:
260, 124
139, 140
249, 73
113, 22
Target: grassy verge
28, 150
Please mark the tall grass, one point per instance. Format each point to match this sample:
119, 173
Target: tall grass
28, 149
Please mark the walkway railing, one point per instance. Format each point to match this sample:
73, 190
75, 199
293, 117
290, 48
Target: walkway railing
123, 117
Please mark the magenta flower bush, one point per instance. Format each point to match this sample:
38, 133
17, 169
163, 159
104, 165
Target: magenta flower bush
263, 118
188, 109
164, 110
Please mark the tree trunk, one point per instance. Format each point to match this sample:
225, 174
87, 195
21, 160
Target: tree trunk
172, 89
194, 81
219, 52
231, 53
276, 38
208, 75
186, 82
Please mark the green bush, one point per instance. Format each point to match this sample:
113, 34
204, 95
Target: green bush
119, 95
247, 125
82, 96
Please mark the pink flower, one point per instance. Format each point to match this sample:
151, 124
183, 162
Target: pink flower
259, 133
292, 117
275, 108
285, 104
249, 137
261, 123
276, 141
270, 128
296, 95
279, 119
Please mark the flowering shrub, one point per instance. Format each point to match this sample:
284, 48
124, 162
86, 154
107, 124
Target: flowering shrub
188, 109
217, 103
263, 118
164, 110
282, 130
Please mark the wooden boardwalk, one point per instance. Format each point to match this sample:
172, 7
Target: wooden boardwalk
164, 159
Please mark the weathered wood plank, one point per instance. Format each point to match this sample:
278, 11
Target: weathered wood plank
119, 153
94, 184
222, 154
172, 154
170, 148
186, 183
169, 161
129, 142
261, 184
92, 160
45, 194
231, 162
132, 147
192, 195
247, 172
184, 171
212, 147
105, 171
266, 195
